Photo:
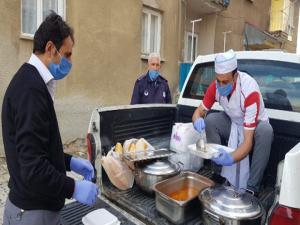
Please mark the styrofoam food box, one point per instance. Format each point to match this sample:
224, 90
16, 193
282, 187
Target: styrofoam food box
211, 150
100, 217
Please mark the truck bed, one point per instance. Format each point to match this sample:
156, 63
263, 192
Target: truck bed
155, 124
139, 205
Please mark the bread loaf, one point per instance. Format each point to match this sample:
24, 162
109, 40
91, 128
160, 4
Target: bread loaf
132, 147
127, 144
119, 148
141, 145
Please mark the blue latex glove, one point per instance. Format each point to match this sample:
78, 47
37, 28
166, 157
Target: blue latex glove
224, 158
85, 192
82, 167
199, 124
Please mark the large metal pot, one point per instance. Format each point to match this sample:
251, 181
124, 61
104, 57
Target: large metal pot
223, 205
150, 173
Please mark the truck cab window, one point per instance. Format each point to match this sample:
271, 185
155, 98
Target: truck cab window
202, 76
279, 82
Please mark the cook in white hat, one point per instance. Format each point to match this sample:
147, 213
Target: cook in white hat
244, 123
226, 71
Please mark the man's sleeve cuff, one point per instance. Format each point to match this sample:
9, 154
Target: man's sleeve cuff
249, 128
68, 161
69, 187
204, 106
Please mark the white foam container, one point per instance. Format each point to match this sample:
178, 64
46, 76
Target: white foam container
211, 150
100, 217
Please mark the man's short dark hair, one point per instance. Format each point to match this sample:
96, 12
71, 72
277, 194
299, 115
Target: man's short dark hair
54, 29
234, 72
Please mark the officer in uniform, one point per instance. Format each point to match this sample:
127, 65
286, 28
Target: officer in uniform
151, 87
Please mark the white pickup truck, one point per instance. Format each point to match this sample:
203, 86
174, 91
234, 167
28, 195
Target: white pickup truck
278, 75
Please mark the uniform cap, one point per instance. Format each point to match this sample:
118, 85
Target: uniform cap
225, 62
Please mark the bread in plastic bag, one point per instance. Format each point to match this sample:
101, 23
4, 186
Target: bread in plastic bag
184, 134
132, 145
117, 171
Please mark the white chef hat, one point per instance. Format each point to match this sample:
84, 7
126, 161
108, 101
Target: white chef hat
225, 62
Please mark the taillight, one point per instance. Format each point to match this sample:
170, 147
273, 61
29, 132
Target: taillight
91, 145
283, 215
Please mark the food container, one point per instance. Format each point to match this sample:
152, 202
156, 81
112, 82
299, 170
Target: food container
210, 150
149, 173
223, 205
176, 197
100, 217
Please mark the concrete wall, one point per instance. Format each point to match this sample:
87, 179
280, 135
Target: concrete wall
240, 12
210, 29
234, 18
204, 29
106, 60
13, 50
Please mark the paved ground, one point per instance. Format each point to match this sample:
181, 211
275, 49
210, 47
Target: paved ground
3, 185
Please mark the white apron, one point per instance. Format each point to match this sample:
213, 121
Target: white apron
238, 173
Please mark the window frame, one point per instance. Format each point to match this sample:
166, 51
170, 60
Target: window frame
149, 12
187, 55
61, 10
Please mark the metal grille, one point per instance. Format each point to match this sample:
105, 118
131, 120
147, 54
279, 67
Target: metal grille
140, 128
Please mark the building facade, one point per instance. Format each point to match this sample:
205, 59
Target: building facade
113, 39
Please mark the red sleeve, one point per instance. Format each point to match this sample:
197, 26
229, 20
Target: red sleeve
252, 105
210, 96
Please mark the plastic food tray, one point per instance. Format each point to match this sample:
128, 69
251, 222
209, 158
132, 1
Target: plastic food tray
100, 217
211, 150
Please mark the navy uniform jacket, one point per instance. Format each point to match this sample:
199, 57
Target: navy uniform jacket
148, 91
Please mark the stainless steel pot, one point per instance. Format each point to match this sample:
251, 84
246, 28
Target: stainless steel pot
223, 205
148, 174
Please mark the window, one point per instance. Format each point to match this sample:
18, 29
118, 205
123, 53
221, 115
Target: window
188, 47
279, 82
151, 31
202, 76
35, 11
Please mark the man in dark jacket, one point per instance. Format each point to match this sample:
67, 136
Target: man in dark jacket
151, 87
34, 152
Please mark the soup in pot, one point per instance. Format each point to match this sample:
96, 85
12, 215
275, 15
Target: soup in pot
184, 194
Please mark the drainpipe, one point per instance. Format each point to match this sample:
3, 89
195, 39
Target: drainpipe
225, 35
193, 28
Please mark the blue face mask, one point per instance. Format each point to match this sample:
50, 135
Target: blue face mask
153, 74
59, 71
224, 90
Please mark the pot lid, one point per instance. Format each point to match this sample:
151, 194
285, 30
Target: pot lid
226, 202
160, 167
